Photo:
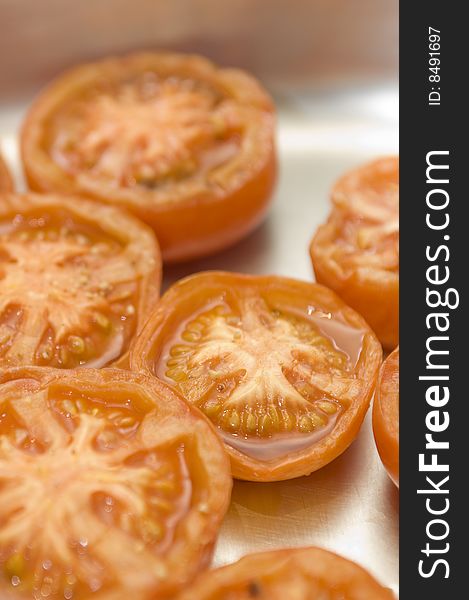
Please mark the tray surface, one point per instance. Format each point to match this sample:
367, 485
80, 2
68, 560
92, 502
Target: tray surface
350, 506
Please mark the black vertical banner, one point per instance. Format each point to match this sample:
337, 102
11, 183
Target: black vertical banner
434, 347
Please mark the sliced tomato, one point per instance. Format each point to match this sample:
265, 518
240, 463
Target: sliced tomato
77, 280
6, 182
186, 146
386, 415
356, 253
111, 486
283, 368
294, 573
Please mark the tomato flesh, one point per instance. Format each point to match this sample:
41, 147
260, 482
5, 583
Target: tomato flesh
149, 132
215, 363
93, 494
386, 415
276, 378
299, 573
71, 292
356, 253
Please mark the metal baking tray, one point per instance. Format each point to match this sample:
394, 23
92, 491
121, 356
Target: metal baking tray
350, 506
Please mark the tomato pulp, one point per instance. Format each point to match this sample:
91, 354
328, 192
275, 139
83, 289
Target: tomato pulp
111, 486
283, 368
77, 280
299, 573
186, 146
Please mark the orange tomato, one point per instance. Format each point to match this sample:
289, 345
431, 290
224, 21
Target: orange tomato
77, 280
111, 486
283, 368
356, 253
184, 145
386, 415
6, 182
299, 573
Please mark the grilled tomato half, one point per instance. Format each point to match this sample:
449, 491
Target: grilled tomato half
386, 415
6, 182
111, 486
299, 573
356, 253
186, 146
77, 280
283, 368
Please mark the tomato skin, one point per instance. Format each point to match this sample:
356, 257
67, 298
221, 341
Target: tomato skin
6, 181
178, 304
139, 247
195, 534
189, 223
373, 291
386, 415
303, 573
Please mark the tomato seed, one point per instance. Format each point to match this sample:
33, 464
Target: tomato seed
274, 418
76, 344
15, 565
151, 531
176, 375
179, 350
212, 409
318, 420
161, 504
288, 423
69, 407
47, 353
174, 362
265, 424
195, 326
305, 424
251, 423
125, 422
328, 407
233, 420
102, 321
191, 336
165, 485
63, 355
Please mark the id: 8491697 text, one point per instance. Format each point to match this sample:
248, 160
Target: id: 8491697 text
434, 61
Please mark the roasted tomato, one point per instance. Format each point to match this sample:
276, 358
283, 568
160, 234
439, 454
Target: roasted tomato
186, 146
283, 368
77, 280
299, 573
111, 486
386, 415
356, 253
6, 183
